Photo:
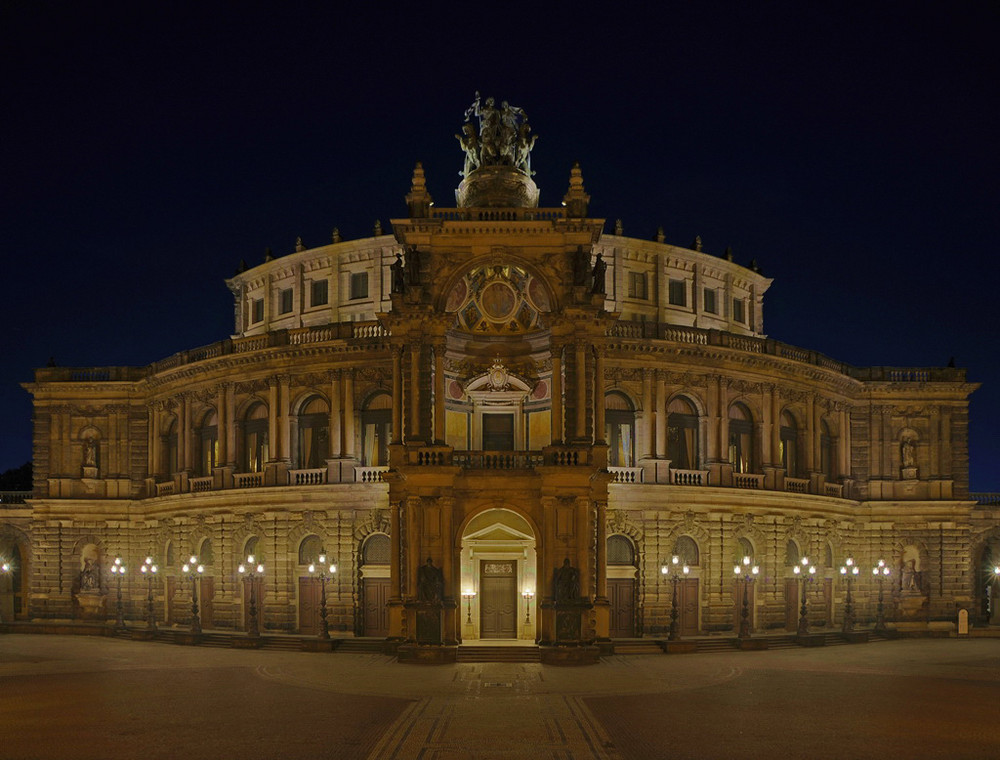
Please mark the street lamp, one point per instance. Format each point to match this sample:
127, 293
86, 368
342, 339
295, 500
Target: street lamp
118, 570
250, 572
850, 572
749, 572
148, 569
805, 572
321, 569
675, 561
467, 596
528, 596
5, 570
194, 570
881, 572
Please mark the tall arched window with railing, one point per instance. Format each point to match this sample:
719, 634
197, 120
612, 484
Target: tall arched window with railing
741, 454
682, 434
789, 440
314, 433
256, 449
619, 429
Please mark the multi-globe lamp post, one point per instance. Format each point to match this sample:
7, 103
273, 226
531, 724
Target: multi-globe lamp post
193, 569
674, 576
467, 596
148, 570
118, 570
250, 572
849, 570
880, 572
528, 595
748, 571
4, 570
324, 569
805, 572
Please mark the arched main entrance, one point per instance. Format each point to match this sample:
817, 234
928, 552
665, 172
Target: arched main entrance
498, 570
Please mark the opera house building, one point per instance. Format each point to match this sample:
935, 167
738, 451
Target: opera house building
501, 420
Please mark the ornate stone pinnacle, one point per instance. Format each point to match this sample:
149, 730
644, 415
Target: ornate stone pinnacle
418, 200
576, 200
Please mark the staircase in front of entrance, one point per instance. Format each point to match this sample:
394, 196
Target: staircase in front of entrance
498, 653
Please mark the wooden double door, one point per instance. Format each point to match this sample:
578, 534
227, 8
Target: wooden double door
622, 600
497, 599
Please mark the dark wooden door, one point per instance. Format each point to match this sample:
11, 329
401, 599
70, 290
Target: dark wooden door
739, 588
687, 606
791, 604
827, 602
498, 599
309, 596
258, 599
206, 597
376, 621
171, 604
621, 596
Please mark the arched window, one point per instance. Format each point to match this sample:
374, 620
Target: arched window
206, 554
686, 548
745, 549
310, 549
619, 430
255, 443
208, 439
376, 550
620, 550
740, 438
827, 451
314, 434
251, 547
828, 555
168, 552
376, 430
792, 555
682, 434
789, 436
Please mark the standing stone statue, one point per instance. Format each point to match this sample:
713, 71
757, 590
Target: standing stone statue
567, 583
430, 583
908, 452
599, 270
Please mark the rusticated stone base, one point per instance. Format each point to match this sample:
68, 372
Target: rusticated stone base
142, 634
751, 645
188, 639
415, 654
679, 647
585, 655
855, 637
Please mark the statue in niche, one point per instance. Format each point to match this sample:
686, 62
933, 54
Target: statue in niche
599, 271
567, 583
90, 576
90, 452
908, 452
430, 583
398, 280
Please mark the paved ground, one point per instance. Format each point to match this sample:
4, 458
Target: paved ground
83, 697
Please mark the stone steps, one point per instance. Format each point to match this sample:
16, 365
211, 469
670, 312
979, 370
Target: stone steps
498, 654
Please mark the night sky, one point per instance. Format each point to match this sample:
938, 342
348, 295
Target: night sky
852, 153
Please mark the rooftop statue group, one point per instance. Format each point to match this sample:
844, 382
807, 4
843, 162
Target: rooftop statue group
503, 139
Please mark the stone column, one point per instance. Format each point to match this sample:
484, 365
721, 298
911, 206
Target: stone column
649, 433
844, 445
935, 446
723, 409
581, 390
599, 400
817, 433
602, 549
154, 443
556, 393
231, 449
336, 429
285, 410
776, 426
415, 390
272, 417
188, 459
397, 395
222, 418
661, 417
439, 391
767, 423
349, 416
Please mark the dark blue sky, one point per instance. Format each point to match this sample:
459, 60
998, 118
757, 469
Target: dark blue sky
852, 153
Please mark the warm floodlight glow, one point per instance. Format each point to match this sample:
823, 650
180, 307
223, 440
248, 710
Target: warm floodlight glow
805, 560
686, 569
746, 560
193, 560
241, 569
675, 559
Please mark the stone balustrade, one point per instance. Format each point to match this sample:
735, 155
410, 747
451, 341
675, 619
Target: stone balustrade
833, 489
312, 477
797, 485
498, 460
199, 485
625, 474
248, 479
986, 499
748, 480
14, 497
689, 477
164, 489
370, 474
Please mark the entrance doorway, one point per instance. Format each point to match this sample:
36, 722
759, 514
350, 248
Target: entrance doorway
621, 597
498, 578
498, 608
376, 607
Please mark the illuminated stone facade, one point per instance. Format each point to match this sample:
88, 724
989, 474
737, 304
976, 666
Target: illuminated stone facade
544, 411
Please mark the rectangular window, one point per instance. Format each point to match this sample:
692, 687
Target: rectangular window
710, 305
678, 293
320, 293
359, 285
284, 300
637, 285
738, 315
257, 310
